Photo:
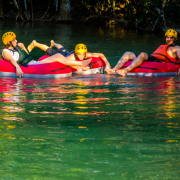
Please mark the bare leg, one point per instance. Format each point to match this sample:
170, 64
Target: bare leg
56, 45
136, 62
127, 56
38, 45
60, 58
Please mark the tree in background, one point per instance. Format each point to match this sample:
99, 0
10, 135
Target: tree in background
64, 10
147, 15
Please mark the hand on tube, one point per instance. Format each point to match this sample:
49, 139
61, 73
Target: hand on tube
19, 72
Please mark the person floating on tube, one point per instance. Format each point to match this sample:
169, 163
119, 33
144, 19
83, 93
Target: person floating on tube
168, 53
80, 52
17, 55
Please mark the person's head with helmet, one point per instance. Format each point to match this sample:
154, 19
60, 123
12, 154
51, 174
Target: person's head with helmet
80, 51
171, 36
9, 39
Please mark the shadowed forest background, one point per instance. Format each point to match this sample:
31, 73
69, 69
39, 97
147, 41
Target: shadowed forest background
132, 14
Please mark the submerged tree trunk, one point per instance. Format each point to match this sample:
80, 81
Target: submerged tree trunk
26, 11
19, 11
47, 10
64, 11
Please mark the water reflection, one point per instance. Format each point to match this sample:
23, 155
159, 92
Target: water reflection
76, 95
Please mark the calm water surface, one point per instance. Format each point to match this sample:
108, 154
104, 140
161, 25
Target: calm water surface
91, 126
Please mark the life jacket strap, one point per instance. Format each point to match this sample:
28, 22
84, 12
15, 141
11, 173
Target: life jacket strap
167, 58
21, 61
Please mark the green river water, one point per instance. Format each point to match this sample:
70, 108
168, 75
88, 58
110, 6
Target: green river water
89, 126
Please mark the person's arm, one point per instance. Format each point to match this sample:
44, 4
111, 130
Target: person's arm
21, 45
178, 51
102, 56
8, 57
178, 55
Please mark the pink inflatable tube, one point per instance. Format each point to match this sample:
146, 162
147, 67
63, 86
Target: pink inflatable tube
97, 66
153, 69
49, 70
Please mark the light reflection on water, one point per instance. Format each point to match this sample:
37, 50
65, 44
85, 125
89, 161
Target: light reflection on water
90, 127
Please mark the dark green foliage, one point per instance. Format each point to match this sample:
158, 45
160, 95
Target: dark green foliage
148, 14
172, 13
11, 8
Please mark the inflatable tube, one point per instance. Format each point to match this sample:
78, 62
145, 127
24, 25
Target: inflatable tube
153, 69
97, 66
48, 70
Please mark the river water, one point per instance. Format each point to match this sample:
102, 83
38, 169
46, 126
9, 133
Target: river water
89, 126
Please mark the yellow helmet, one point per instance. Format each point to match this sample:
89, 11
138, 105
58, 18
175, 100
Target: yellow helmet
171, 32
80, 48
8, 36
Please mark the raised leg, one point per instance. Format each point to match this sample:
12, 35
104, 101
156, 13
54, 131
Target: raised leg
38, 45
56, 45
136, 62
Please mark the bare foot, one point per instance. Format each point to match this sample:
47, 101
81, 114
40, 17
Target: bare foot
85, 62
111, 71
31, 46
52, 44
122, 72
86, 68
79, 70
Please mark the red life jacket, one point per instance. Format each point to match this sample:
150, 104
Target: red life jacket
161, 53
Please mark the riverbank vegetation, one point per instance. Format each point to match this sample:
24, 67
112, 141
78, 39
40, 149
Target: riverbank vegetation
148, 15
